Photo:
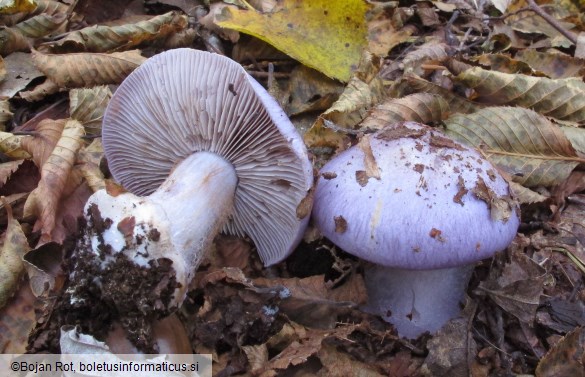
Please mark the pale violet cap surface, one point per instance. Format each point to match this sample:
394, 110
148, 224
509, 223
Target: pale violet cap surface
435, 203
183, 101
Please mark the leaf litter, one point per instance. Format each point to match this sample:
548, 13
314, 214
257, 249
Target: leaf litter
459, 67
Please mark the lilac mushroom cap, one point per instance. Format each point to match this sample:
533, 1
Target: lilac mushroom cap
408, 198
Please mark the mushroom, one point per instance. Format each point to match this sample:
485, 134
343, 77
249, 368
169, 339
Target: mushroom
201, 147
422, 209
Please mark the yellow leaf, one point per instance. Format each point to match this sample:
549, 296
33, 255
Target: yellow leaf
11, 266
327, 35
16, 6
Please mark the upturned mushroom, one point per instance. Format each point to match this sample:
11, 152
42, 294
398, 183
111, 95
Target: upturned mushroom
422, 209
201, 147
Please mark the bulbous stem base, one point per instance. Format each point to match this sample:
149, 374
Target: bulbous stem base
415, 301
147, 249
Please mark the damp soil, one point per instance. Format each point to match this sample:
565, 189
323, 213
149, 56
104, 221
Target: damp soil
98, 294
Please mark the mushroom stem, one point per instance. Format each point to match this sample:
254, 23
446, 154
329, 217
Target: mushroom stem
177, 222
415, 301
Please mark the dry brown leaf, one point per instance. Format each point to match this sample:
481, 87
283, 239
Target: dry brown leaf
340, 364
41, 25
457, 104
430, 52
88, 163
562, 99
503, 63
5, 113
86, 70
449, 351
566, 358
70, 208
382, 36
14, 247
55, 175
22, 180
2, 69
17, 320
99, 38
517, 291
526, 145
525, 195
315, 289
11, 145
20, 71
88, 105
43, 265
372, 169
530, 22
419, 107
183, 38
40, 91
309, 90
12, 40
302, 344
554, 65
229, 251
577, 138
428, 15
257, 356
363, 90
6, 170
41, 144
17, 202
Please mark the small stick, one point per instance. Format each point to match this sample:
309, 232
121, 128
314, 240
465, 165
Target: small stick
552, 21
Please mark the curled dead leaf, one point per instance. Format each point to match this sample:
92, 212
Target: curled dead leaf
372, 169
364, 90
100, 38
11, 265
85, 69
41, 25
5, 113
423, 108
562, 99
87, 105
55, 177
12, 40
